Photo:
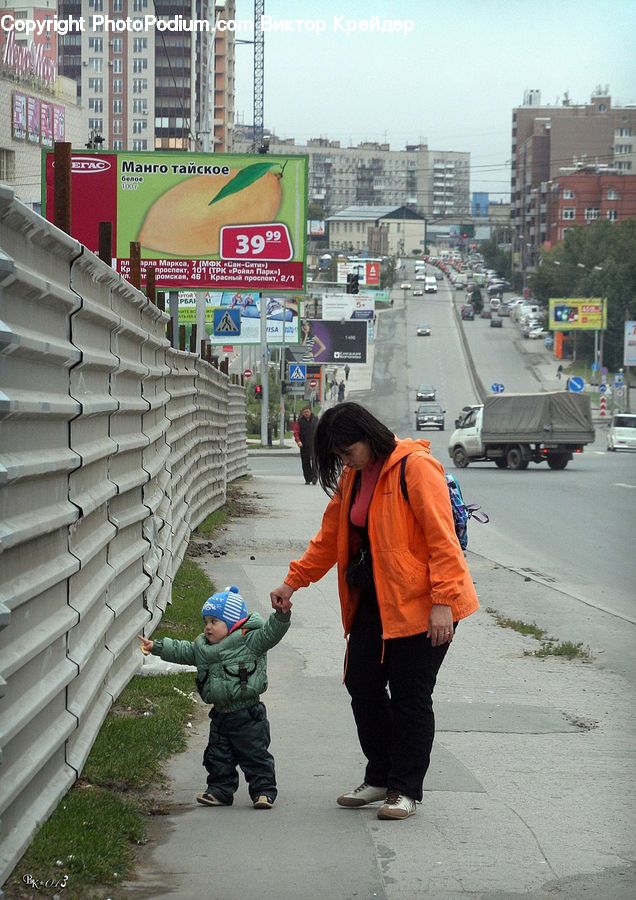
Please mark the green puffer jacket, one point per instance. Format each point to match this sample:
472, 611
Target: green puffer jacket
236, 667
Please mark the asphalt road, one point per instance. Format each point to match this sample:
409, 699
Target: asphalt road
572, 529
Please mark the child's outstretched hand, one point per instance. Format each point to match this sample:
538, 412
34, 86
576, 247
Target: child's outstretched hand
146, 645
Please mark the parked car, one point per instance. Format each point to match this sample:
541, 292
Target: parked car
527, 326
425, 392
536, 333
467, 312
486, 313
418, 292
423, 330
504, 309
429, 415
496, 322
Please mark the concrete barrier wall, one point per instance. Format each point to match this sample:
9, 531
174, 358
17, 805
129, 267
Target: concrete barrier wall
113, 448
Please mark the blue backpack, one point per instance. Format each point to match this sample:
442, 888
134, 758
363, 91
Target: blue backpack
462, 511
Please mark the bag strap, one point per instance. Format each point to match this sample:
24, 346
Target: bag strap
473, 509
403, 484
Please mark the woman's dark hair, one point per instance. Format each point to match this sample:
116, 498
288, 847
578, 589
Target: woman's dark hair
338, 428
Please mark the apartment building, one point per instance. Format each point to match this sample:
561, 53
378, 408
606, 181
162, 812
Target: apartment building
547, 138
150, 88
434, 183
586, 194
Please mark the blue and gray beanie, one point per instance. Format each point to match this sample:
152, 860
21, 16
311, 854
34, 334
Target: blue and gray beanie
227, 605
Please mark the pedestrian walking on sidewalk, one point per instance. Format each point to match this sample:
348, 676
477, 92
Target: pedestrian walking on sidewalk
341, 391
347, 369
231, 661
304, 434
559, 371
404, 585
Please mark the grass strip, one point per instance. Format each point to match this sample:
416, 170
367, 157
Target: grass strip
530, 629
566, 649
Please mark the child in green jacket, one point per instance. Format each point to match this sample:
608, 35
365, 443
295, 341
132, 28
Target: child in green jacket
231, 662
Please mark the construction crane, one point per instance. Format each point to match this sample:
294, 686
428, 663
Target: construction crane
259, 77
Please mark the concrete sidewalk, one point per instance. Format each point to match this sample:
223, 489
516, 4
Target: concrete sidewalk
531, 788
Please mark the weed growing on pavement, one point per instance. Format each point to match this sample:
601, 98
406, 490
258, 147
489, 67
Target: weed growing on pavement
567, 649
527, 628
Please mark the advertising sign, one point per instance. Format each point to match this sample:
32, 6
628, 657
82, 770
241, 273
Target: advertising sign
577, 314
629, 355
220, 221
279, 310
336, 307
19, 116
46, 124
33, 118
368, 271
334, 342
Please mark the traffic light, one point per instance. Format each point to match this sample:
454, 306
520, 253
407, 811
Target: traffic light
258, 391
284, 387
353, 284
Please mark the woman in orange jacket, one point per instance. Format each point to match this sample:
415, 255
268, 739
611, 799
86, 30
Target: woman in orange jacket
403, 584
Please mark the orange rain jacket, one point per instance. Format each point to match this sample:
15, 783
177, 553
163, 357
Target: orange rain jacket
417, 560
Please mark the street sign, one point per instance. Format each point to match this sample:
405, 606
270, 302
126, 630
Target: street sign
602, 389
595, 367
604, 370
313, 383
247, 373
297, 372
497, 388
575, 384
227, 322
619, 379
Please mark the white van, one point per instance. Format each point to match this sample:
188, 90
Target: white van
494, 304
622, 432
430, 284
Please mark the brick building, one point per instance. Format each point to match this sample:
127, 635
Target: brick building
547, 138
588, 194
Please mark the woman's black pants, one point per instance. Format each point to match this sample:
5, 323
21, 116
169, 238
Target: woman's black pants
395, 731
306, 459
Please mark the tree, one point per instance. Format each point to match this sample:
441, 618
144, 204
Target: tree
598, 260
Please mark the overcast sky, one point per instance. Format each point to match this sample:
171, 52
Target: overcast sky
451, 83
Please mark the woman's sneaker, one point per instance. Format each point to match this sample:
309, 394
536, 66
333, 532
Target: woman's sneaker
360, 796
263, 802
397, 806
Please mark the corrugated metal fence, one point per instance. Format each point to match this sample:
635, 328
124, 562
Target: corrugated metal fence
113, 448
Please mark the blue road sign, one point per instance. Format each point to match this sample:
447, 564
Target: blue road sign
595, 367
497, 388
602, 388
227, 322
575, 384
619, 379
297, 372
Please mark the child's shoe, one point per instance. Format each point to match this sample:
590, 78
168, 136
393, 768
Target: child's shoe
263, 802
208, 799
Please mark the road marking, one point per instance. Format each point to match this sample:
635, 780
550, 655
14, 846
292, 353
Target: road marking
620, 484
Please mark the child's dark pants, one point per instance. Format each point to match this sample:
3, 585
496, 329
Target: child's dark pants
239, 738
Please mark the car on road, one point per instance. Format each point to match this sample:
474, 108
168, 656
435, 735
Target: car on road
420, 276
423, 331
486, 313
430, 284
429, 415
418, 292
438, 275
621, 434
425, 392
496, 322
405, 286
467, 311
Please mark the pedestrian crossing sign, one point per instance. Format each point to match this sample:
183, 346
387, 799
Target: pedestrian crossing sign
297, 372
227, 322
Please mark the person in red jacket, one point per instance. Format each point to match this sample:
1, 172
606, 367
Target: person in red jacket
404, 585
